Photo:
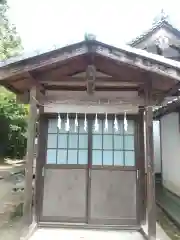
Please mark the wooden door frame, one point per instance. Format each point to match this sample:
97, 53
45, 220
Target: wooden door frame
41, 160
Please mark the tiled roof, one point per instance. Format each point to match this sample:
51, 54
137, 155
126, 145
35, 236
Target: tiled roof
163, 23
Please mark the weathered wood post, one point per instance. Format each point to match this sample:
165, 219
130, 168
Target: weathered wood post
31, 134
141, 163
149, 156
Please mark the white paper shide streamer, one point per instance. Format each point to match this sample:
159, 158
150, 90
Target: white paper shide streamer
59, 122
85, 123
106, 124
96, 124
125, 123
116, 128
76, 123
67, 125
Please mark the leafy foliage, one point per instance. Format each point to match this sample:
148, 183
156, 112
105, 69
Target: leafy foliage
13, 126
12, 115
10, 44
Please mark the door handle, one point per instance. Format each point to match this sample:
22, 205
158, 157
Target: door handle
137, 173
43, 172
89, 174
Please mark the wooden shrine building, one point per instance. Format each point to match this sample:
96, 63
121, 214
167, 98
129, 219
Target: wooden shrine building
94, 107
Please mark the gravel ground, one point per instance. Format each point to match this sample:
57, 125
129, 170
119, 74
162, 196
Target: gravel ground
11, 230
169, 227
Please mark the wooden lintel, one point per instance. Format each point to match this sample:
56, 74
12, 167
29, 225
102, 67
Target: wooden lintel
97, 88
76, 98
149, 156
69, 79
28, 216
80, 82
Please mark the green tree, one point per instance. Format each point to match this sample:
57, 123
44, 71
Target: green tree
13, 126
12, 115
10, 43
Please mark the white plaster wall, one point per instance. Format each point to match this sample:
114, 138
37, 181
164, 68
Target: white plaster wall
171, 152
157, 148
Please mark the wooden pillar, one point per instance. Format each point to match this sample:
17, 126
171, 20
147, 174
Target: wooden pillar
40, 161
141, 167
28, 197
149, 156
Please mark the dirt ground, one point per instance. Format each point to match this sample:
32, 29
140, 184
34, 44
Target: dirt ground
11, 230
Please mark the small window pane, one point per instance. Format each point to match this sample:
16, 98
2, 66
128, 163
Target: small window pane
83, 157
62, 156
118, 142
97, 157
110, 129
81, 126
97, 141
52, 126
108, 142
72, 126
108, 158
129, 158
120, 127
73, 140
83, 141
72, 156
62, 141
118, 158
130, 128
100, 127
52, 141
62, 130
129, 142
51, 156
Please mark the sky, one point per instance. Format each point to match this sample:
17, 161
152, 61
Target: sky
44, 23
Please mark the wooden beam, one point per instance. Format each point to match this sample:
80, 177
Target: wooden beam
35, 82
80, 82
9, 87
149, 156
60, 78
90, 79
81, 98
97, 88
28, 215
